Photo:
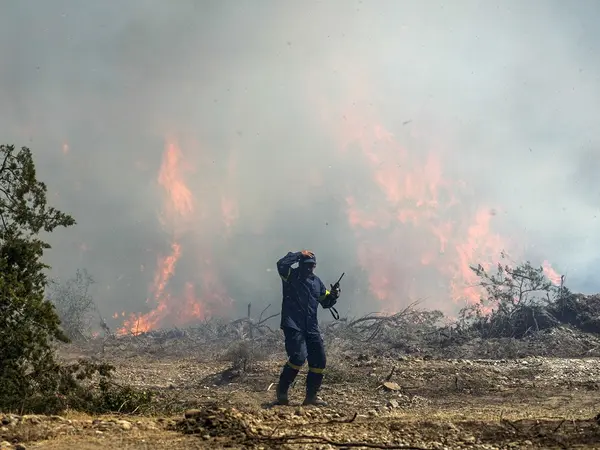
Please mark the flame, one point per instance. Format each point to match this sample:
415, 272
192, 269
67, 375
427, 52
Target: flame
418, 211
181, 204
176, 216
418, 234
416, 237
165, 270
481, 246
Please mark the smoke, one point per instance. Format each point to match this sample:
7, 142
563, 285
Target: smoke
400, 141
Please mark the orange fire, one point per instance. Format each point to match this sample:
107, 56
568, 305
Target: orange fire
413, 240
481, 246
417, 238
170, 177
177, 216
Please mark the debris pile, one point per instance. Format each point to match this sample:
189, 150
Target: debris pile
212, 421
580, 311
229, 426
521, 313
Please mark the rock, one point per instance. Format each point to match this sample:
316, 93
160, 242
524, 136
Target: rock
393, 403
5, 445
124, 424
58, 418
20, 447
192, 413
391, 386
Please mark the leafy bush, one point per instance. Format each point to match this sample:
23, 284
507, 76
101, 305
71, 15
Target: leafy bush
84, 386
31, 378
518, 301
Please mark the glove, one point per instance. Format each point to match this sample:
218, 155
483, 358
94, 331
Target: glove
307, 254
329, 302
335, 293
332, 298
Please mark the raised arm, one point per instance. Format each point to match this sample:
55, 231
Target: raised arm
284, 265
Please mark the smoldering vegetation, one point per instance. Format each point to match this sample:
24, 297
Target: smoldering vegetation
521, 314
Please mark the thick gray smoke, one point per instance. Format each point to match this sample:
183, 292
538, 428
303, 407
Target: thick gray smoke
292, 111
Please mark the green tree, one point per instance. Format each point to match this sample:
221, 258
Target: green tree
31, 377
28, 322
517, 301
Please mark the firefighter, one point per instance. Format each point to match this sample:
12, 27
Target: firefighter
303, 291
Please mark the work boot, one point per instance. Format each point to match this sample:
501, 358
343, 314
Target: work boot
282, 395
287, 377
313, 401
313, 385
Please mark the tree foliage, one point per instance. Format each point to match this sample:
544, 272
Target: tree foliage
28, 322
31, 377
517, 301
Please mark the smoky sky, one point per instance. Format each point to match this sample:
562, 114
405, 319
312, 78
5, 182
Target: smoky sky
272, 104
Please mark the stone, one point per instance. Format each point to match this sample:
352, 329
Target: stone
391, 386
192, 413
124, 425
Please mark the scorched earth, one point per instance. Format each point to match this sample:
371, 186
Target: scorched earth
215, 390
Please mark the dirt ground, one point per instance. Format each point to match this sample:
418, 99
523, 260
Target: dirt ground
374, 402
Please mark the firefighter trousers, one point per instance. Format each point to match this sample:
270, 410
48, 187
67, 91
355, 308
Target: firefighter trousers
301, 346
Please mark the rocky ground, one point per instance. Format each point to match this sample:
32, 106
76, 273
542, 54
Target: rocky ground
377, 399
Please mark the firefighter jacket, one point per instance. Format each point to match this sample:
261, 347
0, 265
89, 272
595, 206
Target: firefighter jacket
301, 296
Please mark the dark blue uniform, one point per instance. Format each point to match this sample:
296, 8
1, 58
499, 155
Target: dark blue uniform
302, 294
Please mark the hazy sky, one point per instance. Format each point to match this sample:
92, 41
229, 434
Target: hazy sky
420, 118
